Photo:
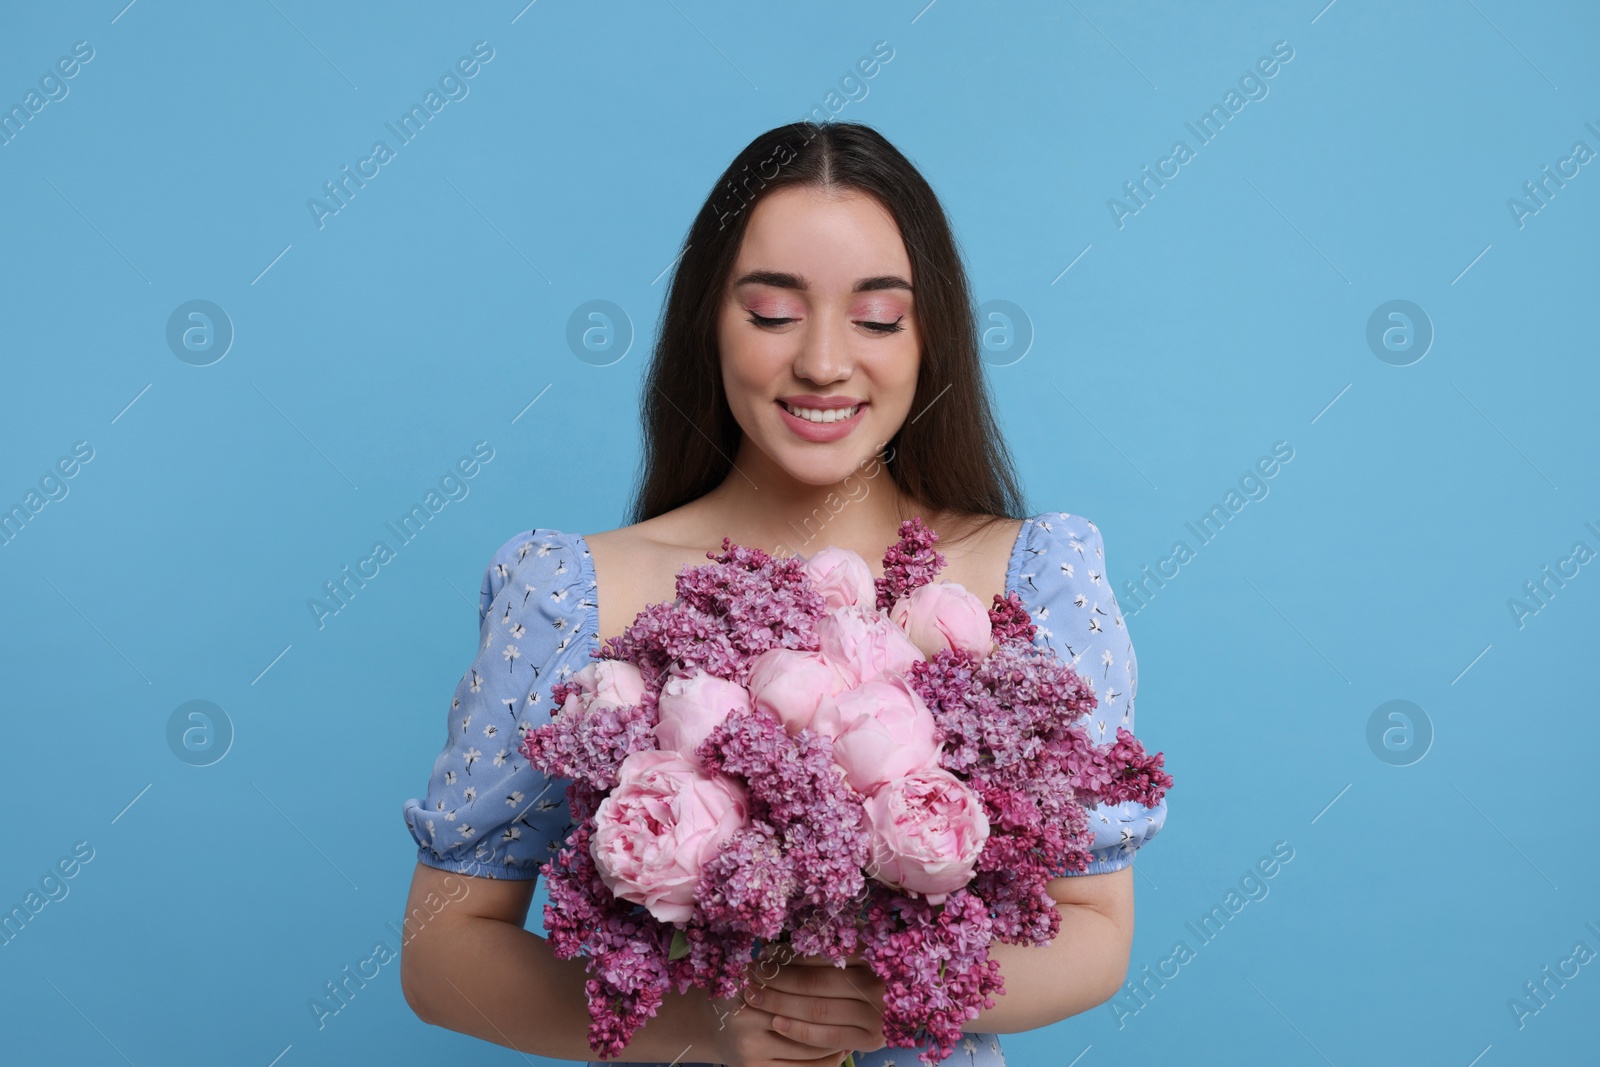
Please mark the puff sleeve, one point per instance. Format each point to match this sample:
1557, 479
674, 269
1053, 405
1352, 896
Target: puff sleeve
1062, 576
488, 812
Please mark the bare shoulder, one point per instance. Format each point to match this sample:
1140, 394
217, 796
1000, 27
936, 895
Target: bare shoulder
978, 552
637, 565
977, 533
636, 548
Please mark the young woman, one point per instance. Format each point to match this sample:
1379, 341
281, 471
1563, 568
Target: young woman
816, 381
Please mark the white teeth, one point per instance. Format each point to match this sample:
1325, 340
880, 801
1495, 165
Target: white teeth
821, 414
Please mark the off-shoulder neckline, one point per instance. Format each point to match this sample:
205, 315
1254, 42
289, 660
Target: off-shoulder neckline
1014, 564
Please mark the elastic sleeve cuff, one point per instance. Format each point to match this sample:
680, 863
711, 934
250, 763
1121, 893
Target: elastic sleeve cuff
1125, 829
477, 868
1102, 864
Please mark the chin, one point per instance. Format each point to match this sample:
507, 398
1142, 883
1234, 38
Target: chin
821, 465
817, 471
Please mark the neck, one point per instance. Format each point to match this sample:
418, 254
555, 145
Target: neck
768, 507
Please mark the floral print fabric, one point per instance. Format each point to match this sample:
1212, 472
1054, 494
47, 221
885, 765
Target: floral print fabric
488, 813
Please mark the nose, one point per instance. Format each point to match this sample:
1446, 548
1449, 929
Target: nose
824, 354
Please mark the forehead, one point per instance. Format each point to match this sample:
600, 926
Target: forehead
832, 239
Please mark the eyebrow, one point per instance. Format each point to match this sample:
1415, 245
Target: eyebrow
785, 280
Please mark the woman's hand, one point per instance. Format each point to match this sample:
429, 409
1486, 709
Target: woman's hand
805, 1011
812, 1001
743, 1035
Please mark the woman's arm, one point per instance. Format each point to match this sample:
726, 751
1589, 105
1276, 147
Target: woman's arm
468, 965
1083, 967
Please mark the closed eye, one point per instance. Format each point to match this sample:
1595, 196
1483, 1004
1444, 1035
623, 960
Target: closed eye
875, 327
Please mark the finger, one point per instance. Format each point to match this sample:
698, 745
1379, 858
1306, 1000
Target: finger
827, 961
856, 982
866, 986
824, 1035
782, 1047
843, 1011
826, 1022
833, 1059
781, 1044
813, 981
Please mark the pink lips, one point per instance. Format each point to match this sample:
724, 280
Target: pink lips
820, 431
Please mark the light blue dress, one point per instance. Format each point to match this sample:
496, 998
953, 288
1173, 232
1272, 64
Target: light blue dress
489, 814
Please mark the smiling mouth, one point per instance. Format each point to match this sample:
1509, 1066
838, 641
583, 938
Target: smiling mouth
822, 416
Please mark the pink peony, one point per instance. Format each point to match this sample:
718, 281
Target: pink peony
798, 688
944, 615
864, 645
842, 577
927, 830
888, 733
662, 823
604, 683
768, 835
693, 705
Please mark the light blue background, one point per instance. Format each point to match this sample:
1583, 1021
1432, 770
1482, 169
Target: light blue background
1225, 316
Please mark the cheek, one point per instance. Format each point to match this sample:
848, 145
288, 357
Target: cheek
748, 367
897, 370
754, 357
734, 356
896, 385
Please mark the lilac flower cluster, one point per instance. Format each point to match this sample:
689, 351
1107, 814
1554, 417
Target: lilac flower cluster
935, 965
810, 821
909, 562
799, 867
626, 951
590, 748
725, 614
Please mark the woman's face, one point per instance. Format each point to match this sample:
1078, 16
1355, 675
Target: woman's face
819, 317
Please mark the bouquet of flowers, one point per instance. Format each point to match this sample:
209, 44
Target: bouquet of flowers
792, 751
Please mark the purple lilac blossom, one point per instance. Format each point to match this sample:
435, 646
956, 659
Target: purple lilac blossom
795, 875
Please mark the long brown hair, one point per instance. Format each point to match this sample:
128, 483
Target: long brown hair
954, 460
